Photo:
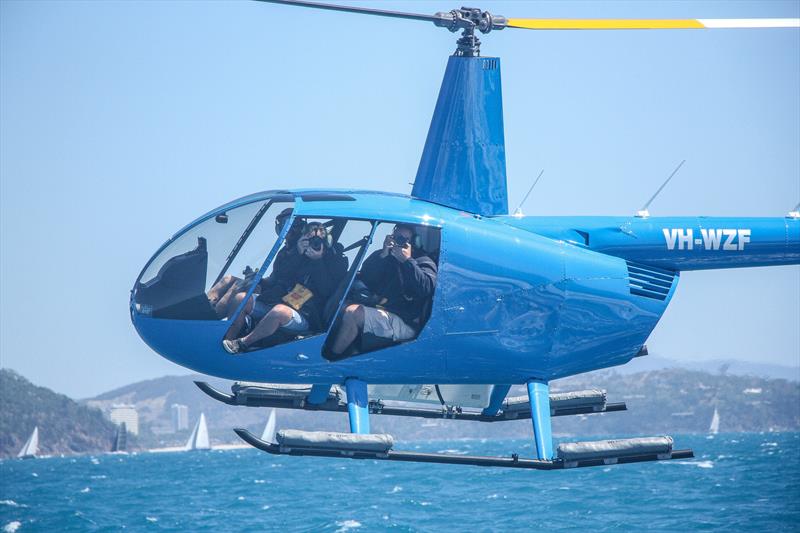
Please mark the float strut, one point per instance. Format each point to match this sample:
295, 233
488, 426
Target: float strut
499, 393
318, 394
539, 395
357, 405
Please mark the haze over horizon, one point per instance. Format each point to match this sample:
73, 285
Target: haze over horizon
122, 122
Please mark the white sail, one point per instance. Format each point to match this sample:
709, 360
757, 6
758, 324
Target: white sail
269, 430
198, 440
714, 427
31, 447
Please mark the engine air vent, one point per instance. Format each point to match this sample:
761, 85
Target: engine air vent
648, 281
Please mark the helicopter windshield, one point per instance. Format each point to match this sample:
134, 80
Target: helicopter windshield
184, 279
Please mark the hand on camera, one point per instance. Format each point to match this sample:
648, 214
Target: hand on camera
388, 243
401, 253
312, 253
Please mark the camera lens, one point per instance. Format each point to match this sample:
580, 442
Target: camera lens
315, 243
400, 241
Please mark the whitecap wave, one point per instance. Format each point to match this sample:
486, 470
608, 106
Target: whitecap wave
11, 503
151, 518
11, 527
395, 489
347, 525
84, 490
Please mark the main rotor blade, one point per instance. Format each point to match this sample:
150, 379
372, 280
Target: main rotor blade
348, 9
649, 24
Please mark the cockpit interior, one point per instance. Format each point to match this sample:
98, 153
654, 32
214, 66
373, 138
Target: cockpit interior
231, 264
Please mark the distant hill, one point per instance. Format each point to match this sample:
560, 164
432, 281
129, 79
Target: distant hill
659, 402
732, 367
676, 400
65, 426
663, 401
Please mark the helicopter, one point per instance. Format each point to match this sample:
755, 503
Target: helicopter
517, 300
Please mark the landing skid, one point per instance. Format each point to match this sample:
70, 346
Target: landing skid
514, 461
512, 409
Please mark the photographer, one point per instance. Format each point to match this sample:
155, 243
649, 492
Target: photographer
402, 280
226, 295
293, 296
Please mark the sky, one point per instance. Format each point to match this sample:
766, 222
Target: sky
120, 122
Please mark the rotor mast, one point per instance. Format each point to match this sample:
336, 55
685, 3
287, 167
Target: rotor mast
469, 19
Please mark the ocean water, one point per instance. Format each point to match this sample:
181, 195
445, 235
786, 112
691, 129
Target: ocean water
736, 482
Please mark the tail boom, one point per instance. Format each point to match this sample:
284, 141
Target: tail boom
678, 243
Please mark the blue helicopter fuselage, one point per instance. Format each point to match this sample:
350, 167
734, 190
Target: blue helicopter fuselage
517, 298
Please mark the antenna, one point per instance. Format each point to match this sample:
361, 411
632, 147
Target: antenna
643, 212
794, 213
518, 210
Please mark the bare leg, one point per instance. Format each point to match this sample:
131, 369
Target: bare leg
236, 327
220, 288
278, 316
352, 324
227, 305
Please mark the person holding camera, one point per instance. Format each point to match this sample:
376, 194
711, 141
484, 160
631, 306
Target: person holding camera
227, 293
292, 298
401, 279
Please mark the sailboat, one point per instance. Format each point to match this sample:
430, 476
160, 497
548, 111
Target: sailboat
713, 429
31, 447
269, 430
198, 440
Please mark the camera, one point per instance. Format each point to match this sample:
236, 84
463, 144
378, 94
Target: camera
315, 243
400, 241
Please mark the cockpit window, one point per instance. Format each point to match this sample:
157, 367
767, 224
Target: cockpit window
301, 292
190, 277
391, 298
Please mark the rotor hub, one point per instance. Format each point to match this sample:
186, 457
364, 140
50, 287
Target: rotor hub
469, 19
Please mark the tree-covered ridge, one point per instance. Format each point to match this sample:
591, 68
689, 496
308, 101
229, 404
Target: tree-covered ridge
65, 426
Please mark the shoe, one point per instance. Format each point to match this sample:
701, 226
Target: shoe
234, 347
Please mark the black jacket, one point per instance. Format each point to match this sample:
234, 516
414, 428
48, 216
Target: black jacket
320, 276
407, 287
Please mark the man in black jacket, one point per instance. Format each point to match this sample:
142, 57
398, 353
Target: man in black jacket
403, 279
293, 297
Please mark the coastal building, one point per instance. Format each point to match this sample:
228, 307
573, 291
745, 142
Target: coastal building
123, 412
180, 417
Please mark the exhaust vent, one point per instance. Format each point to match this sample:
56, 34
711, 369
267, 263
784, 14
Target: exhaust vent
649, 282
